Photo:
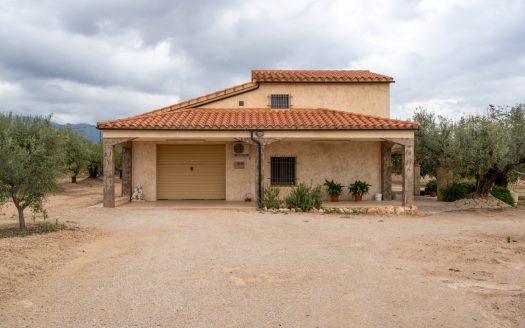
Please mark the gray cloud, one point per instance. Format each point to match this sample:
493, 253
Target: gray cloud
94, 60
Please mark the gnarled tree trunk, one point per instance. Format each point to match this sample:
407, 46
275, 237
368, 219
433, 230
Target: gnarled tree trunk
21, 218
444, 177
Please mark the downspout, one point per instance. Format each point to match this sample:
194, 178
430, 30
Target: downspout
260, 190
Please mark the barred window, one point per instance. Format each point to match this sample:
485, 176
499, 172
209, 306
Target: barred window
279, 101
282, 171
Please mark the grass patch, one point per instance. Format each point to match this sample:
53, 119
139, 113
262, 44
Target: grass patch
39, 228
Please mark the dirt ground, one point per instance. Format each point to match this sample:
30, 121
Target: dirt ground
162, 267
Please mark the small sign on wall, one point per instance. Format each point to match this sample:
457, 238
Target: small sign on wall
238, 165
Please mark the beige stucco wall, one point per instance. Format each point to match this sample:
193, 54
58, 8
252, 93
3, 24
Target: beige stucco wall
144, 168
342, 161
365, 98
240, 181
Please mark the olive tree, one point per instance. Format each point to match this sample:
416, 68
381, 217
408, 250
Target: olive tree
94, 159
433, 146
490, 146
75, 153
31, 161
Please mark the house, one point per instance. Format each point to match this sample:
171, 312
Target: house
281, 128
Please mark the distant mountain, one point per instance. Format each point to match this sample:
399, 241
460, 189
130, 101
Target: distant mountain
89, 131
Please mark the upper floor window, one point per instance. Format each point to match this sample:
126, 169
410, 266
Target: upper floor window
280, 101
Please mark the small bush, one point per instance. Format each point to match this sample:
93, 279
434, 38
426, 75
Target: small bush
454, 191
502, 194
469, 186
271, 197
431, 186
304, 197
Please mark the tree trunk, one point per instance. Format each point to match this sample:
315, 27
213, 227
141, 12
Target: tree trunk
93, 173
484, 183
444, 177
21, 218
73, 179
501, 179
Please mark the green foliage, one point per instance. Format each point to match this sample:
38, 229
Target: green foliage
397, 163
490, 145
333, 188
358, 188
502, 194
469, 186
433, 141
31, 161
75, 152
431, 186
271, 197
118, 160
94, 159
454, 191
304, 197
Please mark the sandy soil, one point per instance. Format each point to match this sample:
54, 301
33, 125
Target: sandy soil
173, 268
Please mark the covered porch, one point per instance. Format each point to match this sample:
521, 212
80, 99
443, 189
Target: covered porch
336, 153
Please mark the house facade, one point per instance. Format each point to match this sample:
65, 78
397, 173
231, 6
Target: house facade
280, 129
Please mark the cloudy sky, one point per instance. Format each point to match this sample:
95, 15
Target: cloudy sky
89, 60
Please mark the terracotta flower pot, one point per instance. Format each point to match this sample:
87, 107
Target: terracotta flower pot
433, 194
334, 198
358, 198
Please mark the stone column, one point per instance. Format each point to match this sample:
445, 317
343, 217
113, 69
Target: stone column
109, 173
126, 169
417, 178
386, 170
260, 178
408, 173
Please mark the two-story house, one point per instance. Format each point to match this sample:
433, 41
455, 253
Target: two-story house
282, 128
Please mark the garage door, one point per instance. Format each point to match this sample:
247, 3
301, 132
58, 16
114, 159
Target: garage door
191, 172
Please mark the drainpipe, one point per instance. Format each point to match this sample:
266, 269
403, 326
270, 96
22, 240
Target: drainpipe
260, 190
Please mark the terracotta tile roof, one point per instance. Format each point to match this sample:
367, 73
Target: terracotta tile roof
318, 76
207, 98
257, 118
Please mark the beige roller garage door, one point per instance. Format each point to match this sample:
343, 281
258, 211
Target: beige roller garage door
191, 172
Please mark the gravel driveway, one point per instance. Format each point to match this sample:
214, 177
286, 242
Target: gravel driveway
169, 268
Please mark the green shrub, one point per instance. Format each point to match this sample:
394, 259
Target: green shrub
271, 197
333, 188
358, 188
470, 186
304, 197
431, 186
502, 194
453, 192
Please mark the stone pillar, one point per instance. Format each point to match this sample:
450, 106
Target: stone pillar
126, 169
386, 170
260, 176
444, 177
408, 173
417, 178
109, 173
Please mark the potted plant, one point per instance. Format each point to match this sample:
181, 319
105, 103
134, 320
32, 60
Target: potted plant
334, 189
431, 188
358, 189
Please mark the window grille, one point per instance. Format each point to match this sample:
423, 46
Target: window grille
282, 171
279, 101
